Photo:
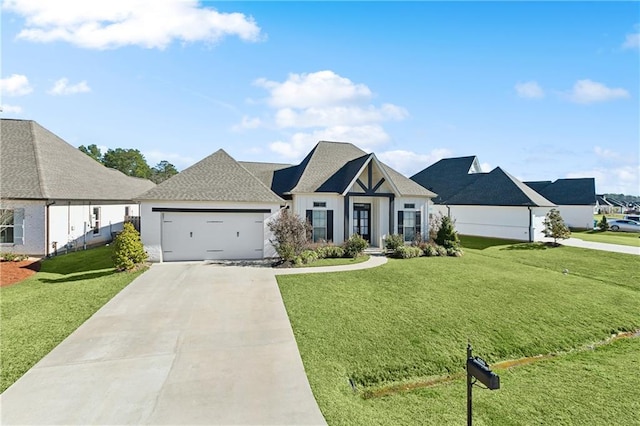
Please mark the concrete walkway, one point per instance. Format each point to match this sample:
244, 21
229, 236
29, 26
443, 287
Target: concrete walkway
616, 248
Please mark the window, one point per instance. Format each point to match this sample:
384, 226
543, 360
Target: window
319, 204
409, 206
409, 224
6, 226
96, 220
319, 225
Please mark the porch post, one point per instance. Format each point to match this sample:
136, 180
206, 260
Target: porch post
346, 217
391, 214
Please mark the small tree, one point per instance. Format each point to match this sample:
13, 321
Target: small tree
291, 234
447, 235
554, 227
603, 224
129, 251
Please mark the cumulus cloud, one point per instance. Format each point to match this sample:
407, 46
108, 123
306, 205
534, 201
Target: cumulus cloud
632, 41
529, 90
10, 109
338, 115
62, 87
153, 157
247, 123
588, 92
409, 162
317, 89
116, 23
618, 180
15, 85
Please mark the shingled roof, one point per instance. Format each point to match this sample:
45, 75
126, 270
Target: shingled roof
218, 177
568, 192
37, 164
448, 176
329, 167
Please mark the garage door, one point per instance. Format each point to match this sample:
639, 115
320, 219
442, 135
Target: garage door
211, 236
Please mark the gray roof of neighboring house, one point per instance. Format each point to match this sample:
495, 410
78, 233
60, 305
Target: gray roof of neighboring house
331, 167
447, 177
37, 164
218, 177
569, 192
602, 200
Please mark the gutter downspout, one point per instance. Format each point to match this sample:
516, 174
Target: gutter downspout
47, 237
530, 224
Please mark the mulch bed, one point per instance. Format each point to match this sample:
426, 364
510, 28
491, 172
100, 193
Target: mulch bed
13, 272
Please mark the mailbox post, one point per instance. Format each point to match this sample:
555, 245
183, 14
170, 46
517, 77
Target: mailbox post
477, 368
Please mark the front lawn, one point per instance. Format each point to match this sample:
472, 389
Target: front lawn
623, 238
339, 261
409, 320
39, 312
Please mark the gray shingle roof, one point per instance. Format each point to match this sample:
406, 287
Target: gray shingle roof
568, 192
263, 171
447, 177
331, 167
37, 164
218, 177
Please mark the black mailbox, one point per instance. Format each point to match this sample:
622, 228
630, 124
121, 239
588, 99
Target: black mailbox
480, 370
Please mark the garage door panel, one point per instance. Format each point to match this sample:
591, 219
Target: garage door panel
212, 236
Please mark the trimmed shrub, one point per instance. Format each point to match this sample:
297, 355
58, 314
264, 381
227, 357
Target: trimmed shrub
407, 252
330, 252
394, 241
129, 251
354, 246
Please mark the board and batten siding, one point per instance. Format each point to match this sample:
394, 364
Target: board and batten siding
423, 205
151, 222
303, 202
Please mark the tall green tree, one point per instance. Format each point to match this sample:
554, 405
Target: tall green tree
92, 151
131, 162
163, 171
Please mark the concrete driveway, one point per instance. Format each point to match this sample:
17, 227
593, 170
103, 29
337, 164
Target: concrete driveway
185, 343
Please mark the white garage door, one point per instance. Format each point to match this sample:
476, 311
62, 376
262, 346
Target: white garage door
211, 236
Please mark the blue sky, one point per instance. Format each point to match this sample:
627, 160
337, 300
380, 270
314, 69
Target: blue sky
545, 90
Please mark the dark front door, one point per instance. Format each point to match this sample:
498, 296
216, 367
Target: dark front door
362, 220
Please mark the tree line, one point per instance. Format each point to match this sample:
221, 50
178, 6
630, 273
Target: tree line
131, 162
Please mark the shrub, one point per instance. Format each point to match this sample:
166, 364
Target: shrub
308, 256
129, 251
394, 241
430, 250
330, 252
454, 251
354, 246
447, 235
435, 221
442, 251
290, 234
407, 252
554, 227
603, 224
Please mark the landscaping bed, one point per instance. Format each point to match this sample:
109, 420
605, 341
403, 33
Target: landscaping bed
12, 272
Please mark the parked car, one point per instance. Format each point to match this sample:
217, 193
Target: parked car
625, 225
634, 217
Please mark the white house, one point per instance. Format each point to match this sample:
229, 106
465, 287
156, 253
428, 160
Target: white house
220, 208
493, 204
53, 197
575, 199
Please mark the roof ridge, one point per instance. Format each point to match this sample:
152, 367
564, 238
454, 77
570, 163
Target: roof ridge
36, 156
255, 177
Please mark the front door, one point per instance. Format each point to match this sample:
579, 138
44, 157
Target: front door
362, 220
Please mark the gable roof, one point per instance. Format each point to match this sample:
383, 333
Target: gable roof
498, 188
332, 167
571, 192
263, 171
37, 164
448, 176
217, 177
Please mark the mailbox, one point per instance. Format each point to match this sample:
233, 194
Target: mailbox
479, 369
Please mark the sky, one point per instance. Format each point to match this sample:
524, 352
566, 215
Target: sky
544, 90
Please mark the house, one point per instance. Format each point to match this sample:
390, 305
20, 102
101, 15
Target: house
603, 206
220, 208
494, 204
53, 196
575, 198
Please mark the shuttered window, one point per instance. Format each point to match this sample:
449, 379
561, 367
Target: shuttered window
11, 226
409, 224
322, 224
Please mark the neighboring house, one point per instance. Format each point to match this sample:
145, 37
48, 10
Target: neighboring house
575, 198
220, 208
618, 206
603, 206
493, 204
54, 196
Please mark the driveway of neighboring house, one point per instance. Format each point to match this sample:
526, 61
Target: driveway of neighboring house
615, 248
185, 343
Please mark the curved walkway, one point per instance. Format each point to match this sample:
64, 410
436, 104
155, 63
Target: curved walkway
184, 343
615, 248
374, 260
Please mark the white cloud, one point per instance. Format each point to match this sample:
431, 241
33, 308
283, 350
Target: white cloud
247, 123
317, 89
618, 180
587, 92
529, 90
15, 85
10, 109
409, 162
180, 161
116, 23
62, 87
606, 154
632, 41
338, 115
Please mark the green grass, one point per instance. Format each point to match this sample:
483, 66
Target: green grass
410, 320
336, 262
39, 312
623, 238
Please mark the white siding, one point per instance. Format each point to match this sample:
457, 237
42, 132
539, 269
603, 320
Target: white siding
34, 230
421, 204
577, 216
151, 222
303, 202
